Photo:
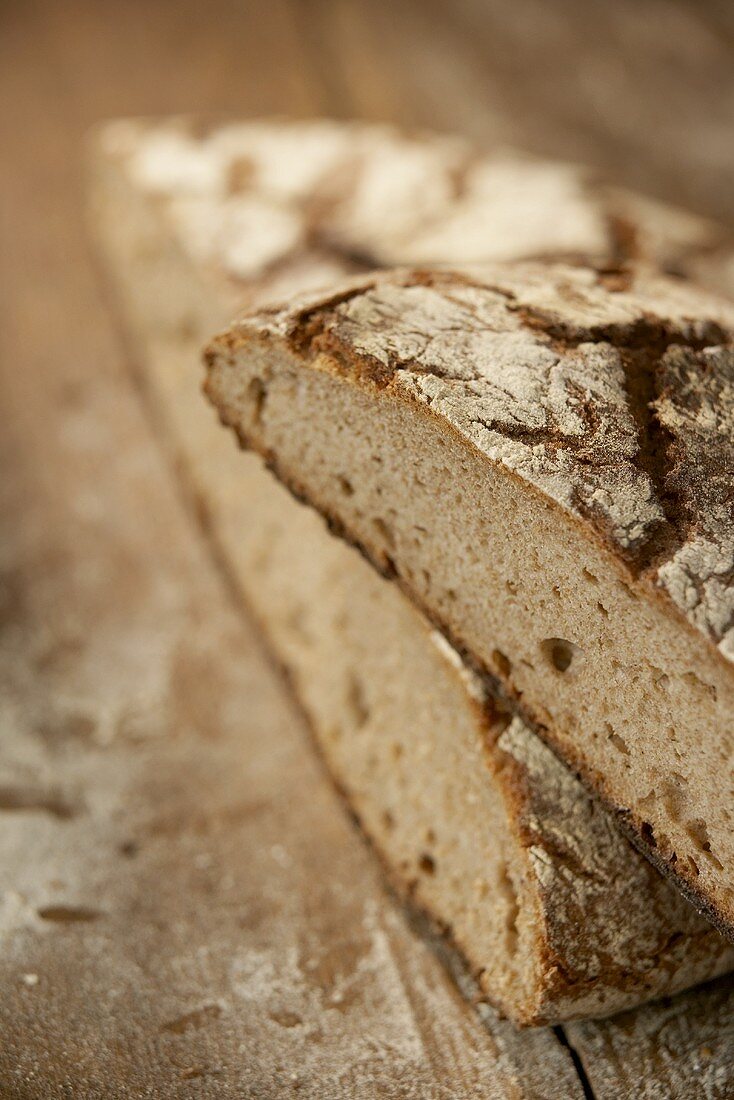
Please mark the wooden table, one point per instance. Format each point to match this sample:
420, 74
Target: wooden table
185, 910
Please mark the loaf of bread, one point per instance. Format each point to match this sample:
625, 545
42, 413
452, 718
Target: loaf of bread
543, 456
475, 820
282, 206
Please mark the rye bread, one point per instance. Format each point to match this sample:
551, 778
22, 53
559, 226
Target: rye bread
556, 914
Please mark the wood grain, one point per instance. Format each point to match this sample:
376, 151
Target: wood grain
643, 91
184, 909
675, 1048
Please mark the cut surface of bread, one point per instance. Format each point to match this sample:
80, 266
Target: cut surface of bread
543, 457
475, 820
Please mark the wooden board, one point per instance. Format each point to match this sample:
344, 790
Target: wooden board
675, 1048
184, 908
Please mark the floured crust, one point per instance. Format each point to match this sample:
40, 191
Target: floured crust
694, 403
570, 385
261, 202
574, 854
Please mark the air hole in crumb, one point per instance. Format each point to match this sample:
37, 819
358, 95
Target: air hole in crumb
357, 703
513, 910
451, 594
603, 609
699, 834
388, 820
663, 843
660, 679
198, 1018
511, 587
68, 914
694, 866
396, 750
674, 796
384, 531
590, 576
346, 486
286, 1018
502, 662
619, 742
698, 684
647, 834
32, 798
257, 393
427, 864
560, 653
649, 799
430, 836
676, 939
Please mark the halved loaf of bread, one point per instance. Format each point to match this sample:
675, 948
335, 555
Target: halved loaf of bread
473, 816
543, 457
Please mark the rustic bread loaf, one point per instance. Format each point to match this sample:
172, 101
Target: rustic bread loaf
475, 819
543, 457
354, 198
